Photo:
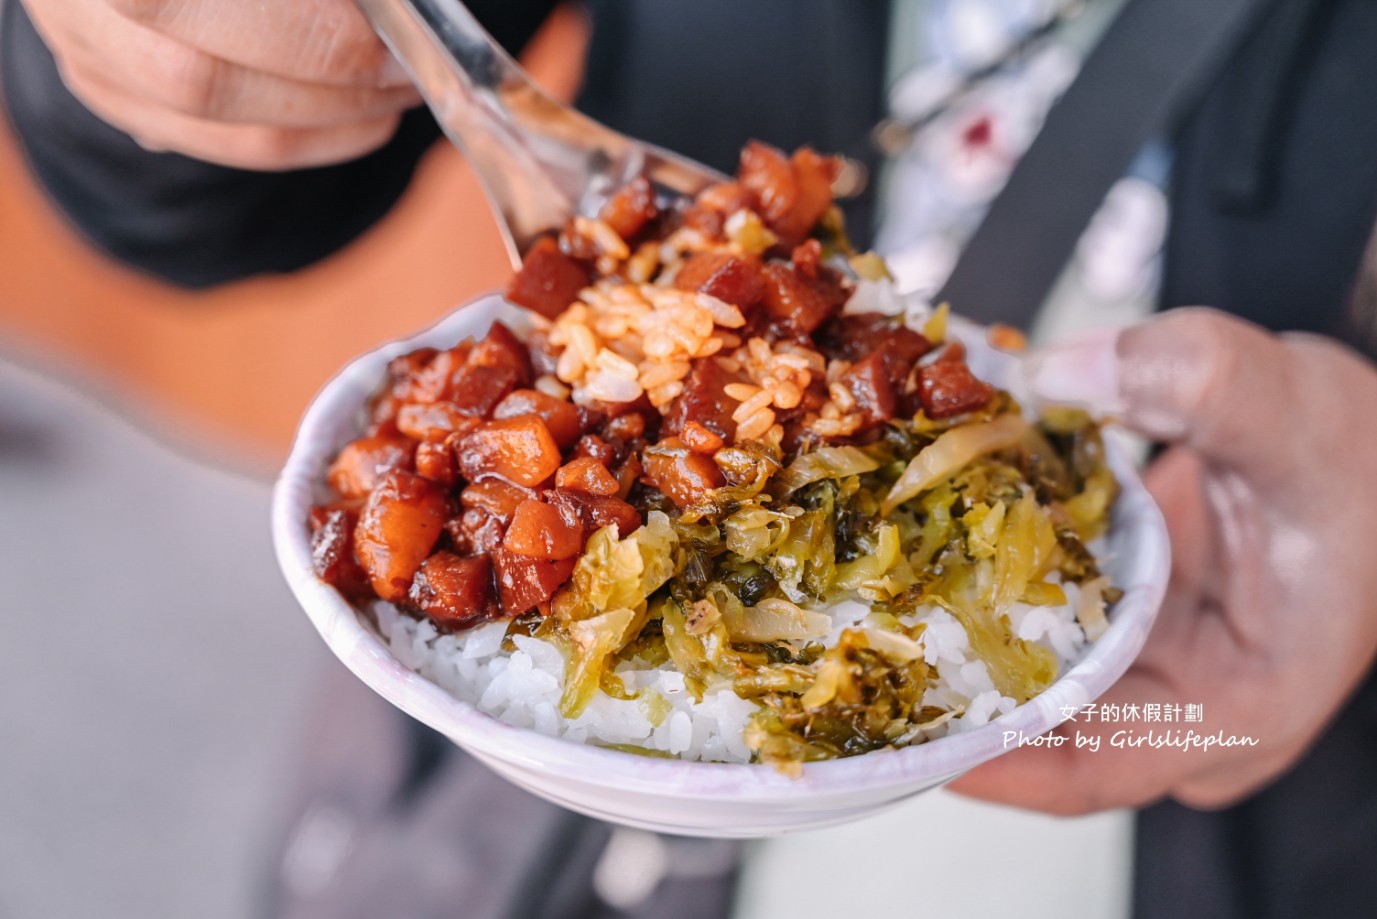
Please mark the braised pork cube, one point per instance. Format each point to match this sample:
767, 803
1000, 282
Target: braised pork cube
872, 385
799, 301
631, 208
404, 373
332, 553
399, 526
735, 279
594, 512
403, 369
859, 335
683, 475
585, 474
479, 387
709, 212
502, 348
627, 427
792, 192
453, 591
827, 281
560, 417
436, 462
434, 421
548, 280
495, 496
519, 450
435, 380
577, 240
882, 378
363, 462
595, 447
700, 440
624, 424
475, 531
541, 531
948, 388
705, 400
525, 583
814, 175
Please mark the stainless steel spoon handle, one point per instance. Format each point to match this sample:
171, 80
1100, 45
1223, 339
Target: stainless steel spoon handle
540, 161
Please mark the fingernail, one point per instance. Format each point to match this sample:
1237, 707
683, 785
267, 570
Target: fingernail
393, 73
1083, 371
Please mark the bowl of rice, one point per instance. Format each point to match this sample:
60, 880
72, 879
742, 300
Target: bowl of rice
715, 533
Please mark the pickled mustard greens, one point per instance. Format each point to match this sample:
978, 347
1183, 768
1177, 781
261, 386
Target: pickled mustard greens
973, 518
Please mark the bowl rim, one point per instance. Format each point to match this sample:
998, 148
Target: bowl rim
336, 410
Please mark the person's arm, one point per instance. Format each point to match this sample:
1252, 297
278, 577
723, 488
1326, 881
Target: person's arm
293, 129
1270, 621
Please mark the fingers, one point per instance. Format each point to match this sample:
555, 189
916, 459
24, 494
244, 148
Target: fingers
1217, 385
196, 86
297, 85
258, 147
1071, 779
1102, 765
1214, 384
1267, 621
163, 72
316, 41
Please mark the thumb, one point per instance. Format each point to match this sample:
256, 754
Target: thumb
1224, 388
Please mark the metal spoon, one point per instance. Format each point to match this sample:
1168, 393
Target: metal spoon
540, 161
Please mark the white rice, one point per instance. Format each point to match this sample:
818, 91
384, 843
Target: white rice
523, 687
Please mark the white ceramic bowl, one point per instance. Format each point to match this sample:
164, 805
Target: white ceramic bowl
690, 798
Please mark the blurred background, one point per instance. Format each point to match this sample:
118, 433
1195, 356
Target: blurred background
155, 675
